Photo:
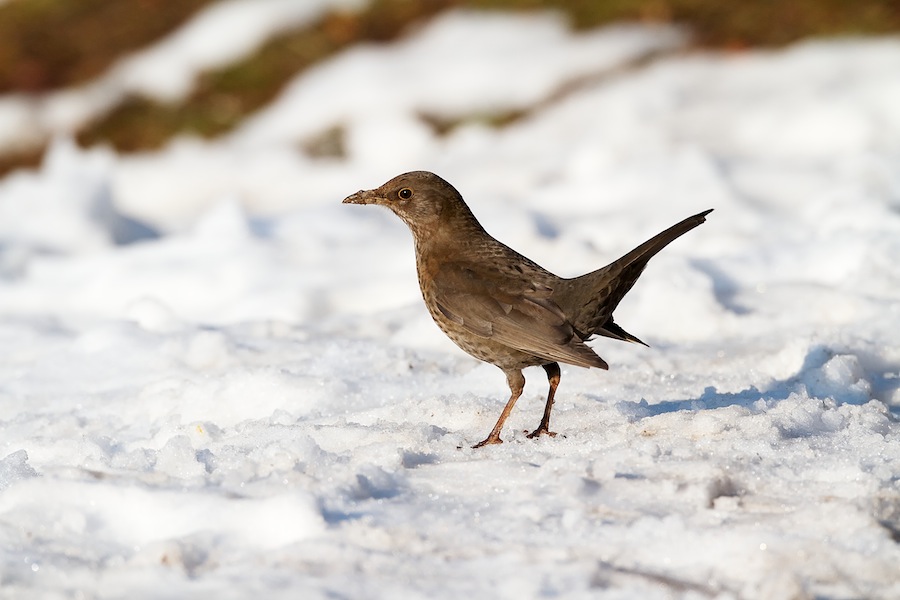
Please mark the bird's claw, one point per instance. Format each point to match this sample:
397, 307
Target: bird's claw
491, 439
542, 430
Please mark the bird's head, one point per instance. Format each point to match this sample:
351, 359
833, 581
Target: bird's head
422, 199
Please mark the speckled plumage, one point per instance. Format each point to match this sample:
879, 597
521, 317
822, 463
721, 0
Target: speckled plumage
498, 305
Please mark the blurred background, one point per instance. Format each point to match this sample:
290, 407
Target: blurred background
50, 46
190, 320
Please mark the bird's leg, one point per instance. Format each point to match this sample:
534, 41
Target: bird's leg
516, 382
553, 377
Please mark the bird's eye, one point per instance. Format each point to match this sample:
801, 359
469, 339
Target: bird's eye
405, 193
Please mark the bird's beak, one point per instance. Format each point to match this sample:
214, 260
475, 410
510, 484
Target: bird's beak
362, 197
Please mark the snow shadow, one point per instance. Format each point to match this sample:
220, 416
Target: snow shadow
725, 287
710, 399
846, 377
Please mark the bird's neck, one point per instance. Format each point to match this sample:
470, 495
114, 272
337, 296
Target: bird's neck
454, 233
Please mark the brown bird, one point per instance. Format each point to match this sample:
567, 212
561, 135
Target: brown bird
499, 306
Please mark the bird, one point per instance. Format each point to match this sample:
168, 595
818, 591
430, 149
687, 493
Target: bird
501, 307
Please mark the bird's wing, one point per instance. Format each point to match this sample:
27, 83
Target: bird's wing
516, 312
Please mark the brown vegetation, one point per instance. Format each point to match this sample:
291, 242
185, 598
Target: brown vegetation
47, 44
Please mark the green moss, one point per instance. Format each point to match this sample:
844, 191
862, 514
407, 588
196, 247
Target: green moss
223, 97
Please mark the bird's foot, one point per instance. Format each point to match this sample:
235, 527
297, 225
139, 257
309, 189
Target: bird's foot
491, 439
541, 430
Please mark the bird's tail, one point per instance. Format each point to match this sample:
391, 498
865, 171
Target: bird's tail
592, 298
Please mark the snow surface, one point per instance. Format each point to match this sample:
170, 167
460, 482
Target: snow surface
219, 380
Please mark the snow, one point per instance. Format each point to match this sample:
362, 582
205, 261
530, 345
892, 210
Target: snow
218, 379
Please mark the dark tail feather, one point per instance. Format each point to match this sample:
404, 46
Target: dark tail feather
593, 297
648, 249
611, 330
